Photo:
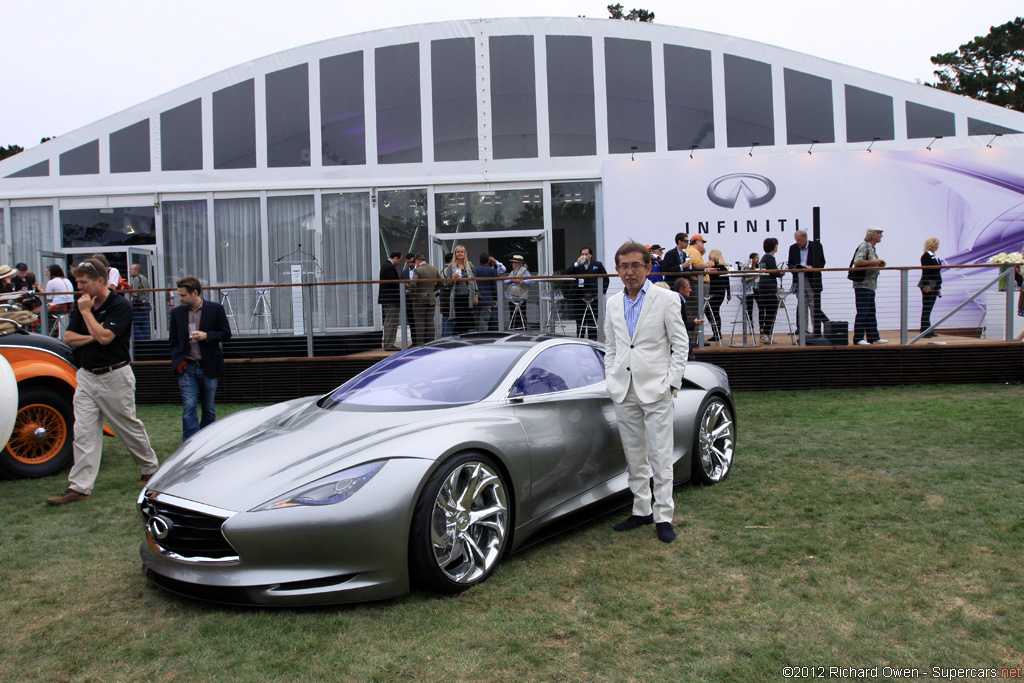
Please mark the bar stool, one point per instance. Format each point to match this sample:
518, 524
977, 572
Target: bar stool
262, 309
588, 318
517, 314
225, 300
555, 298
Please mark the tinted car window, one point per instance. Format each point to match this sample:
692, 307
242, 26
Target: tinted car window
561, 368
428, 377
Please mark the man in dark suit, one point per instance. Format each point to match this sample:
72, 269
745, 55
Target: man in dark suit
584, 290
406, 274
388, 298
674, 260
486, 310
804, 253
198, 327
930, 283
682, 286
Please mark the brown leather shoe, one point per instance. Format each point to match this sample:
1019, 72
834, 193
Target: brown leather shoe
69, 496
144, 479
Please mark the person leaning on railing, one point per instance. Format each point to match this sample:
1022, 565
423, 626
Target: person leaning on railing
768, 290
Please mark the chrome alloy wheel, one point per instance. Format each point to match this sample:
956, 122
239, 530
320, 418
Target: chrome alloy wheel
469, 522
715, 441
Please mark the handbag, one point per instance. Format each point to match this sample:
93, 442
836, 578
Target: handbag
856, 274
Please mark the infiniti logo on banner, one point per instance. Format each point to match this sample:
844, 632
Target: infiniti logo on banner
725, 191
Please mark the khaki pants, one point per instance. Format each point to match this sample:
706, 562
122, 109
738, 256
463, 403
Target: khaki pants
390, 315
647, 441
110, 396
423, 313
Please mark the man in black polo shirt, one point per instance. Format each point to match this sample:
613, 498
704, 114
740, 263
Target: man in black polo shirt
100, 332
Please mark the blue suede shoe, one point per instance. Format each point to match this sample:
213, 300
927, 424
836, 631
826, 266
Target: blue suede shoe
633, 522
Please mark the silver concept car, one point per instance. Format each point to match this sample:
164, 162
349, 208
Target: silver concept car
423, 470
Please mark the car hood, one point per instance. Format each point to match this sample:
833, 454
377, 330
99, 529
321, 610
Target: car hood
244, 460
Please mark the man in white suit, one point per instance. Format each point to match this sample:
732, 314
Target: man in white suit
644, 365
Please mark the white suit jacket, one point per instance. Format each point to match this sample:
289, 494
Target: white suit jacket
655, 358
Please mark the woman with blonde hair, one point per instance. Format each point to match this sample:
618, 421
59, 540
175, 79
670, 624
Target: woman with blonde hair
462, 295
719, 291
930, 283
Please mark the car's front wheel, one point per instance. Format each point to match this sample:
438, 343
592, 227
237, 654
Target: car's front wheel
41, 441
460, 524
714, 439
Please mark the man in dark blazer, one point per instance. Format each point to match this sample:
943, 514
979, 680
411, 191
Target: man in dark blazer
584, 289
930, 283
388, 298
683, 288
804, 253
674, 260
197, 329
406, 274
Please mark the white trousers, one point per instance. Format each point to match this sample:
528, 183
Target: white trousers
111, 395
647, 441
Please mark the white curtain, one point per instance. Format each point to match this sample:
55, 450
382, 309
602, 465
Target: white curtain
31, 232
185, 246
240, 255
347, 256
291, 228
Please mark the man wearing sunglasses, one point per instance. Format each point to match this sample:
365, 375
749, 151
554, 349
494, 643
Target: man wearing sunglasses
100, 332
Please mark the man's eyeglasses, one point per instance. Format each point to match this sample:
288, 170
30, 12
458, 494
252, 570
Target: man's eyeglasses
635, 267
86, 264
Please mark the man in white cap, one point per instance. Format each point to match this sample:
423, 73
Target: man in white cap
517, 288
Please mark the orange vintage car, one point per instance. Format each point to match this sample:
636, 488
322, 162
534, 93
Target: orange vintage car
40, 443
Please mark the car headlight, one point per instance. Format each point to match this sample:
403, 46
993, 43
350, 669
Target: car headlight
327, 491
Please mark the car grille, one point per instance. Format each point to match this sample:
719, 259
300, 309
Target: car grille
192, 535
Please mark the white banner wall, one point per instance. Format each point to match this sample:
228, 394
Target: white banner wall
972, 200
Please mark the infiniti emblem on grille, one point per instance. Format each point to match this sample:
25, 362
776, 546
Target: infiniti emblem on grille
159, 527
725, 191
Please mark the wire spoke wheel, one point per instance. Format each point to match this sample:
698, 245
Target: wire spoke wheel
39, 434
41, 441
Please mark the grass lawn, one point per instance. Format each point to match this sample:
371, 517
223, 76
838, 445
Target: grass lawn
860, 528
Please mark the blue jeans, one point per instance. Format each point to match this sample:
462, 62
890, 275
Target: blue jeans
865, 325
195, 387
140, 320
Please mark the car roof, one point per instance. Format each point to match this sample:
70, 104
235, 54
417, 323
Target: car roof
524, 340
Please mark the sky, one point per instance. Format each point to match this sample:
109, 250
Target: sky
67, 63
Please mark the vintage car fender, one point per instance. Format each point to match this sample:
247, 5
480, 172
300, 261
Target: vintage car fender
32, 364
8, 400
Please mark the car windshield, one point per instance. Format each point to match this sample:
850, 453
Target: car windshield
432, 376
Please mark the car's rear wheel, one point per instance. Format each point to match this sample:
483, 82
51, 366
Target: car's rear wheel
460, 524
714, 439
41, 442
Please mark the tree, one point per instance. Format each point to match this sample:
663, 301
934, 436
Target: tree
989, 68
9, 151
615, 12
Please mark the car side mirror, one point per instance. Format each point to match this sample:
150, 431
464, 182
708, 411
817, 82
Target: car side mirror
516, 393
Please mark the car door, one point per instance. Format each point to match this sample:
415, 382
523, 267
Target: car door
569, 422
